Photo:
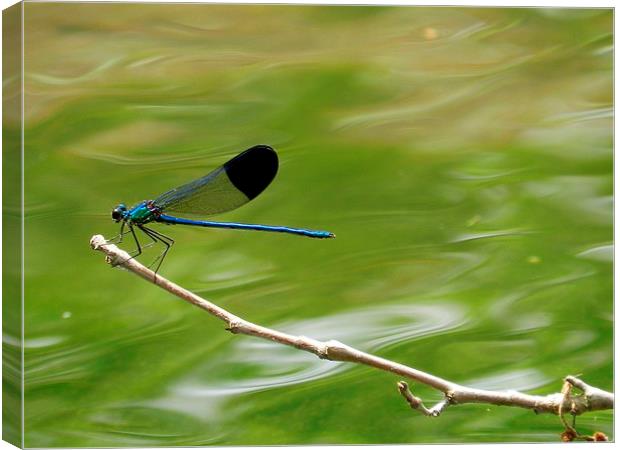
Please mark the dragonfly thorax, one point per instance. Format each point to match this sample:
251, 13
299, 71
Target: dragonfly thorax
141, 213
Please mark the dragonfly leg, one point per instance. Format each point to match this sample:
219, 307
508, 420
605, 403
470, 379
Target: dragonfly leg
166, 240
160, 258
135, 238
139, 247
153, 240
119, 237
160, 235
138, 250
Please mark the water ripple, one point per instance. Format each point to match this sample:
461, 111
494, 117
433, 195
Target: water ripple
490, 234
501, 306
578, 195
60, 81
260, 365
581, 116
55, 359
412, 107
518, 380
231, 270
604, 253
139, 160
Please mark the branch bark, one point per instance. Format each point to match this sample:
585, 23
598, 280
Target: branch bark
592, 398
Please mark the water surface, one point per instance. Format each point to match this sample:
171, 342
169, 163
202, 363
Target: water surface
463, 157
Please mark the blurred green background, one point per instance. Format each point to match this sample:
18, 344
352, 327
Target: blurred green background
462, 156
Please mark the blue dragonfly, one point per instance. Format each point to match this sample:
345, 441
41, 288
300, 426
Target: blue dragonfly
226, 188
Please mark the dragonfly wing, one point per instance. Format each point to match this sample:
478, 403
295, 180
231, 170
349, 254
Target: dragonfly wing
227, 187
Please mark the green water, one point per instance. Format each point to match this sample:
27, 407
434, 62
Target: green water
463, 157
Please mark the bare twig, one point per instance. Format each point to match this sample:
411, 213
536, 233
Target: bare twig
593, 399
416, 402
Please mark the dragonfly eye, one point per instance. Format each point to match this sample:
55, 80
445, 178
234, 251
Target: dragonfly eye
119, 212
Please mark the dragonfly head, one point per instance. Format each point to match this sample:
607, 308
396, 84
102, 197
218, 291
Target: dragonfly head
119, 212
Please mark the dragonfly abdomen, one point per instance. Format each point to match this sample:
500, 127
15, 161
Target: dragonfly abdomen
171, 220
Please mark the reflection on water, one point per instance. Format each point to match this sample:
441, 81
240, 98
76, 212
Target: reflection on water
462, 156
269, 365
518, 380
599, 253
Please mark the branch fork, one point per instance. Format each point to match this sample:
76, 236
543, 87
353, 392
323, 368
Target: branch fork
417, 403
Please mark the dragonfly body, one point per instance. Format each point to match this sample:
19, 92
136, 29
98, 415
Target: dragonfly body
235, 183
142, 213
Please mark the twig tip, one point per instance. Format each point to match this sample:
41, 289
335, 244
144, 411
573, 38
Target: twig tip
97, 241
